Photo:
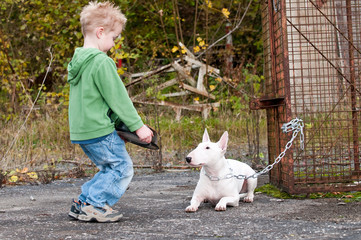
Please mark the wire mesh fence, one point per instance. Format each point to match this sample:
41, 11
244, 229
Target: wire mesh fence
312, 51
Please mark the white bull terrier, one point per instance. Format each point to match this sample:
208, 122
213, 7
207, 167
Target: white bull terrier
222, 181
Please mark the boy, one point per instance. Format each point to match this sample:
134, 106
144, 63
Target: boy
95, 87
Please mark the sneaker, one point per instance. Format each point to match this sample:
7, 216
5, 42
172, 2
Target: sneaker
75, 209
104, 214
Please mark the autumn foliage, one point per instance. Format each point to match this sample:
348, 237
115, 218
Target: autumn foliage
37, 34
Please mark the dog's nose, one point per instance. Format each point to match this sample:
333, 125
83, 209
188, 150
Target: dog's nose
188, 159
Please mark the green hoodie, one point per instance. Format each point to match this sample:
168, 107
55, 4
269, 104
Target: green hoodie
95, 87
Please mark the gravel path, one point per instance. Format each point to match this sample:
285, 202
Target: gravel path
153, 208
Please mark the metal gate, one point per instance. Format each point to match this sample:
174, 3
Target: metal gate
312, 51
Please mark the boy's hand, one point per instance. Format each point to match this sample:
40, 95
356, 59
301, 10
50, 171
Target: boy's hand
144, 134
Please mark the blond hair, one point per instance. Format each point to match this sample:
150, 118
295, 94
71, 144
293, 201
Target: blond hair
97, 14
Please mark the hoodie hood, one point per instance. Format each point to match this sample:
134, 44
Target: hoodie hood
81, 59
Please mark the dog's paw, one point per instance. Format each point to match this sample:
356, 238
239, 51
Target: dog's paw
248, 199
190, 208
220, 207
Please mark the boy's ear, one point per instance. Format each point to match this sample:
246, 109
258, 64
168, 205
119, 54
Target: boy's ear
99, 31
223, 141
205, 136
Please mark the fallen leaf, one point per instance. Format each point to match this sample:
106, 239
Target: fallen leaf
13, 179
33, 175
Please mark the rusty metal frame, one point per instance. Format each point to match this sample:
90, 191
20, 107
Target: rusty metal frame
326, 164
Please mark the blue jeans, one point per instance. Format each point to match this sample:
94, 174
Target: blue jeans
115, 171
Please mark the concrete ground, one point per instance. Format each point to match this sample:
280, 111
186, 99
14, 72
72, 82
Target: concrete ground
153, 208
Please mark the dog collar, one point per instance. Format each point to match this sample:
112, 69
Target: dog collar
216, 178
227, 176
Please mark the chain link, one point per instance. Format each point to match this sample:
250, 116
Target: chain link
296, 126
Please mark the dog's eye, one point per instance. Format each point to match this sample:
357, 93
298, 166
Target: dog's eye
207, 147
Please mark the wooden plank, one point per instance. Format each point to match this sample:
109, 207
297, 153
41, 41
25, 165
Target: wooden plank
149, 74
176, 94
158, 88
183, 73
207, 105
167, 84
141, 74
173, 105
200, 64
189, 53
201, 73
195, 90
193, 107
203, 108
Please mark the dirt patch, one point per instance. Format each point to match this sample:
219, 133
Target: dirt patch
153, 208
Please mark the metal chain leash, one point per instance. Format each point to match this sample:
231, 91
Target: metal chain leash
296, 126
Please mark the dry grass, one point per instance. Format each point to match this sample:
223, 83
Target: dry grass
44, 142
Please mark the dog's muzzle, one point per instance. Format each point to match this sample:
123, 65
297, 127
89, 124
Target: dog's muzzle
188, 159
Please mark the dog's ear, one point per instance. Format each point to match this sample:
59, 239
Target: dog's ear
223, 141
205, 136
